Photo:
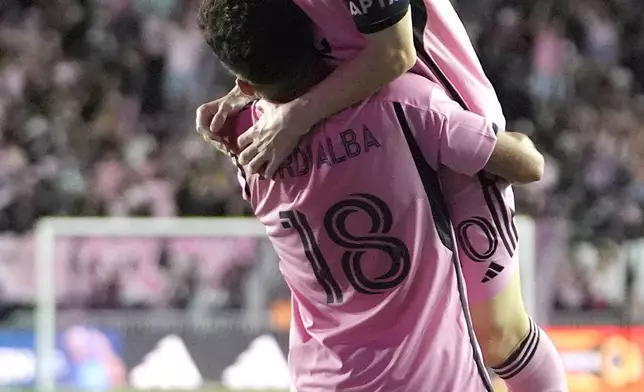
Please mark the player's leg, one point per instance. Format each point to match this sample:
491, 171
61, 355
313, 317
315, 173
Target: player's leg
518, 350
500, 322
490, 267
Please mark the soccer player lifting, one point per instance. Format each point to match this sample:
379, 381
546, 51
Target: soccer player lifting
320, 160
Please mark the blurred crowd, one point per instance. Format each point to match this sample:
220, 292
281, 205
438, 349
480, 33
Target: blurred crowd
572, 73
97, 100
96, 104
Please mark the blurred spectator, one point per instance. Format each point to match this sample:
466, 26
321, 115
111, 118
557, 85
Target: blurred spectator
96, 97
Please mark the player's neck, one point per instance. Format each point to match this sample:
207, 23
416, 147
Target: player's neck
299, 84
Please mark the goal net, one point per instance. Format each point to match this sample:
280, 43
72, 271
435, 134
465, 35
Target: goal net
182, 340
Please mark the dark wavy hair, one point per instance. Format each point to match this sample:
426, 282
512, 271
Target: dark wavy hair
264, 42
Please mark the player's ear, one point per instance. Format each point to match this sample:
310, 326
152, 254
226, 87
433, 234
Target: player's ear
246, 88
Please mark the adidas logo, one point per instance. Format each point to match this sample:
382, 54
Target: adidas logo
265, 361
492, 272
168, 366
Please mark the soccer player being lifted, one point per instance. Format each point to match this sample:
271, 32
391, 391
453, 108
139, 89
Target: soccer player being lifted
372, 43
357, 216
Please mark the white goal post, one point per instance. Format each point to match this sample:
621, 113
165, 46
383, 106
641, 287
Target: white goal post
49, 229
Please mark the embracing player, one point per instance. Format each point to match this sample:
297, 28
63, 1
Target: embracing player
357, 216
373, 42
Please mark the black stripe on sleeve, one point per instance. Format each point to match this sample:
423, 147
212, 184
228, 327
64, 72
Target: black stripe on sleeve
431, 182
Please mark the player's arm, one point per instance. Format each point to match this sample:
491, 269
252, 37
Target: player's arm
388, 53
469, 143
516, 159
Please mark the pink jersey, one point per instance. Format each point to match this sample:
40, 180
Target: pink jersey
357, 218
481, 208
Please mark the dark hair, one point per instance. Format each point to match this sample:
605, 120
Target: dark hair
265, 42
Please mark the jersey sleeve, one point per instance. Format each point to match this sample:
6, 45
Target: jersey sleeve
462, 141
372, 16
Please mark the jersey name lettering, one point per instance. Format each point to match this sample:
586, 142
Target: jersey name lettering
362, 7
348, 144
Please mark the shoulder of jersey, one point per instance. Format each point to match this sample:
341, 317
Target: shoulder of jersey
411, 89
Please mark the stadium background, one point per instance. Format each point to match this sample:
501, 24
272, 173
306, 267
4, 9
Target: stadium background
97, 100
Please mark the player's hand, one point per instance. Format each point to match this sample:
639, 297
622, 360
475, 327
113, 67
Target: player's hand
267, 143
211, 116
218, 145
